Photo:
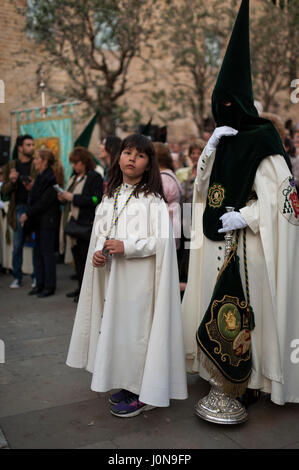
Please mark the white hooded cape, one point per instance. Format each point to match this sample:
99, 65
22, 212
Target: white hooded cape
128, 325
273, 270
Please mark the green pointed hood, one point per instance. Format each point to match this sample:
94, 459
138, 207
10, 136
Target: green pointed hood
234, 80
237, 158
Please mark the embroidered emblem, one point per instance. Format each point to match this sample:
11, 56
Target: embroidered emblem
241, 343
216, 195
229, 321
227, 329
289, 201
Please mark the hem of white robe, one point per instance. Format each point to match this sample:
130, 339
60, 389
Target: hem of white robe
262, 383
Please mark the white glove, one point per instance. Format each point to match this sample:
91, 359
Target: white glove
1, 205
232, 221
216, 136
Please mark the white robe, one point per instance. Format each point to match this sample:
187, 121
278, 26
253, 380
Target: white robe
273, 271
128, 325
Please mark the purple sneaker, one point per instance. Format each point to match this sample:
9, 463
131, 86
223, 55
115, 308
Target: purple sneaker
119, 396
131, 406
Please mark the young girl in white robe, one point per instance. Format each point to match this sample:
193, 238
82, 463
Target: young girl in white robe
128, 327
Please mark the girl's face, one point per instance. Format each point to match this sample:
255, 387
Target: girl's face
133, 164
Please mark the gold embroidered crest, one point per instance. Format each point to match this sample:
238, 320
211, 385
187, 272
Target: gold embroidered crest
216, 195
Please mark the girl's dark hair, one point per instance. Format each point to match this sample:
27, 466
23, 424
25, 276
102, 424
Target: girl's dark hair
151, 182
83, 155
112, 146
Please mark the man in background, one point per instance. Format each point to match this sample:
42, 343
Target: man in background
18, 179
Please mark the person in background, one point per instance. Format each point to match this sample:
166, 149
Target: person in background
171, 188
187, 175
2, 216
18, 179
42, 216
108, 151
83, 193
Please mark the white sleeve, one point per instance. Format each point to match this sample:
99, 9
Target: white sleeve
141, 246
204, 168
251, 214
101, 222
99, 243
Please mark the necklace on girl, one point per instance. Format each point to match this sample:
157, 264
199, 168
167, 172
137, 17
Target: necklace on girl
116, 216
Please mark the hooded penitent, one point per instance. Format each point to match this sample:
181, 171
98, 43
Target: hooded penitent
224, 333
238, 157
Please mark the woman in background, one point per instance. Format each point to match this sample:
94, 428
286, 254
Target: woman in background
171, 187
42, 217
108, 152
83, 193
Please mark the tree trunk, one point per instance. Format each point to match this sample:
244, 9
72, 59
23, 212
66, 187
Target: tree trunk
107, 126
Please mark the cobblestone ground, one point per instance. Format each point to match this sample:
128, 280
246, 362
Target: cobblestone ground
46, 405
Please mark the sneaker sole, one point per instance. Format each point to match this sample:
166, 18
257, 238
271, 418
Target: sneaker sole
133, 413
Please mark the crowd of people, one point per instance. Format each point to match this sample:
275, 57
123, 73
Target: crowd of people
39, 213
119, 220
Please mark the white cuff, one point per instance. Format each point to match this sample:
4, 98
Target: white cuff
139, 248
99, 244
251, 215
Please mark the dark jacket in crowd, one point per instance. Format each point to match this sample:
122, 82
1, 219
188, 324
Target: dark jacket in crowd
9, 190
93, 188
44, 208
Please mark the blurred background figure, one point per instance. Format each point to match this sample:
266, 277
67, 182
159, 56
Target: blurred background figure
278, 123
175, 155
18, 178
42, 217
2, 229
83, 193
186, 177
171, 187
108, 151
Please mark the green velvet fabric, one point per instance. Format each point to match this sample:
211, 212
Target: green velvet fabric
85, 136
224, 333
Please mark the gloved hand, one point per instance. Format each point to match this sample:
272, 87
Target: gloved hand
1, 204
217, 134
232, 221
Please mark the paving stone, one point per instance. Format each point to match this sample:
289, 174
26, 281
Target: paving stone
46, 404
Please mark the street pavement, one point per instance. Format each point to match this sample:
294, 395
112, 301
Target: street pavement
45, 404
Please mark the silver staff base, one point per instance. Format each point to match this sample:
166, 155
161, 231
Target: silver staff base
217, 407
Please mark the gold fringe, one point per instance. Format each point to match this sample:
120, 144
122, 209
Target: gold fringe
229, 388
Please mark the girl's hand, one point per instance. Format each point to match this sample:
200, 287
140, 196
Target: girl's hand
98, 259
115, 247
